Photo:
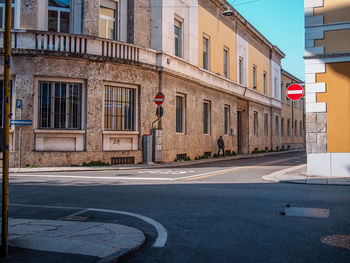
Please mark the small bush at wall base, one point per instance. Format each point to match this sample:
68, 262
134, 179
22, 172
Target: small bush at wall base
187, 158
215, 155
234, 153
95, 163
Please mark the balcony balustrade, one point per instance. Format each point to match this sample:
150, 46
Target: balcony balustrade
79, 45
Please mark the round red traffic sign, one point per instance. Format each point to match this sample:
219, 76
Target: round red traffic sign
159, 99
295, 92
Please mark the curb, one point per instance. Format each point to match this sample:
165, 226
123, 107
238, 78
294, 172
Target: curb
273, 177
151, 166
116, 256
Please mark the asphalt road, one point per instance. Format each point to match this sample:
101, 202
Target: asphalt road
216, 212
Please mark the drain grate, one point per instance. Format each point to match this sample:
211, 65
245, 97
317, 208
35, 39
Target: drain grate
342, 241
305, 212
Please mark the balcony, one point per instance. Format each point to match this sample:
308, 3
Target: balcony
78, 45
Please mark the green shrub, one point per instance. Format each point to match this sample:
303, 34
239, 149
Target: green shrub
215, 155
187, 158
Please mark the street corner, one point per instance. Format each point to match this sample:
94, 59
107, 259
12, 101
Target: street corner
107, 242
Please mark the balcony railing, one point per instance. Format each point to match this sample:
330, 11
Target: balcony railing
79, 44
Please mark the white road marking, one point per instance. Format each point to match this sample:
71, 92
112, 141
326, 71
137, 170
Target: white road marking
160, 171
90, 177
161, 230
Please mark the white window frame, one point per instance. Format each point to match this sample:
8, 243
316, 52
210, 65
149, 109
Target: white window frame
183, 113
240, 71
17, 18
226, 62
113, 5
178, 23
254, 77
208, 52
59, 10
265, 82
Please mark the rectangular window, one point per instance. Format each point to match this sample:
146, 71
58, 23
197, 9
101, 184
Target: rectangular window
288, 127
206, 117
180, 113
240, 71
60, 105
266, 125
2, 91
256, 125
282, 127
276, 126
282, 92
254, 77
119, 109
109, 20
227, 119
288, 100
2, 13
265, 84
295, 128
226, 63
59, 15
178, 38
301, 129
206, 53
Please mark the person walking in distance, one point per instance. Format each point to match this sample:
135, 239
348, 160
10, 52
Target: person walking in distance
221, 146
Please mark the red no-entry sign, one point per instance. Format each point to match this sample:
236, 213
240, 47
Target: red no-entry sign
295, 92
159, 99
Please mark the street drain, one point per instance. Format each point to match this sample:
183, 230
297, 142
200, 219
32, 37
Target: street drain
342, 241
305, 212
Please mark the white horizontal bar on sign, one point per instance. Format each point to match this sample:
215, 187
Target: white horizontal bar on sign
294, 92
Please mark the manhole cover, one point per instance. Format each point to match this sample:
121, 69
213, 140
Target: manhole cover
342, 241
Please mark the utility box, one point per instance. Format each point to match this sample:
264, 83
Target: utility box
157, 145
147, 148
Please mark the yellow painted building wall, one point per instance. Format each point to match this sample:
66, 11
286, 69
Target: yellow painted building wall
334, 11
332, 42
262, 64
220, 36
337, 97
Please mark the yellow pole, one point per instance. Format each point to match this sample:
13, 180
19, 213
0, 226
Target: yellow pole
6, 125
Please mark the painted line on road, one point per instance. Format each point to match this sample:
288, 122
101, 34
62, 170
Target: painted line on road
210, 174
161, 230
91, 177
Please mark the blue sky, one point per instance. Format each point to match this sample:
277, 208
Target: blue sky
282, 23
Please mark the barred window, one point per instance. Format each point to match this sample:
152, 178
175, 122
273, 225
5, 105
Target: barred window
266, 125
282, 127
119, 109
180, 113
206, 117
60, 105
227, 119
288, 127
301, 128
256, 125
276, 126
2, 91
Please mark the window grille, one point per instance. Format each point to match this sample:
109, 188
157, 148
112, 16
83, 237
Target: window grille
227, 119
206, 117
60, 105
266, 125
256, 123
180, 114
119, 109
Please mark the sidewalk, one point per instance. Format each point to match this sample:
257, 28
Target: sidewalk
85, 241
298, 175
144, 166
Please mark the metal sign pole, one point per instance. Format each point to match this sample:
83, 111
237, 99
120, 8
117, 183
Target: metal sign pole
6, 118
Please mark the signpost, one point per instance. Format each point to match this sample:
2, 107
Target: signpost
295, 92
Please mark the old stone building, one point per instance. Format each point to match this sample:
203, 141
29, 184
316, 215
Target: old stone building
87, 72
327, 78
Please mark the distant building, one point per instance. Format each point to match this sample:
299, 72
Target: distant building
87, 72
327, 77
